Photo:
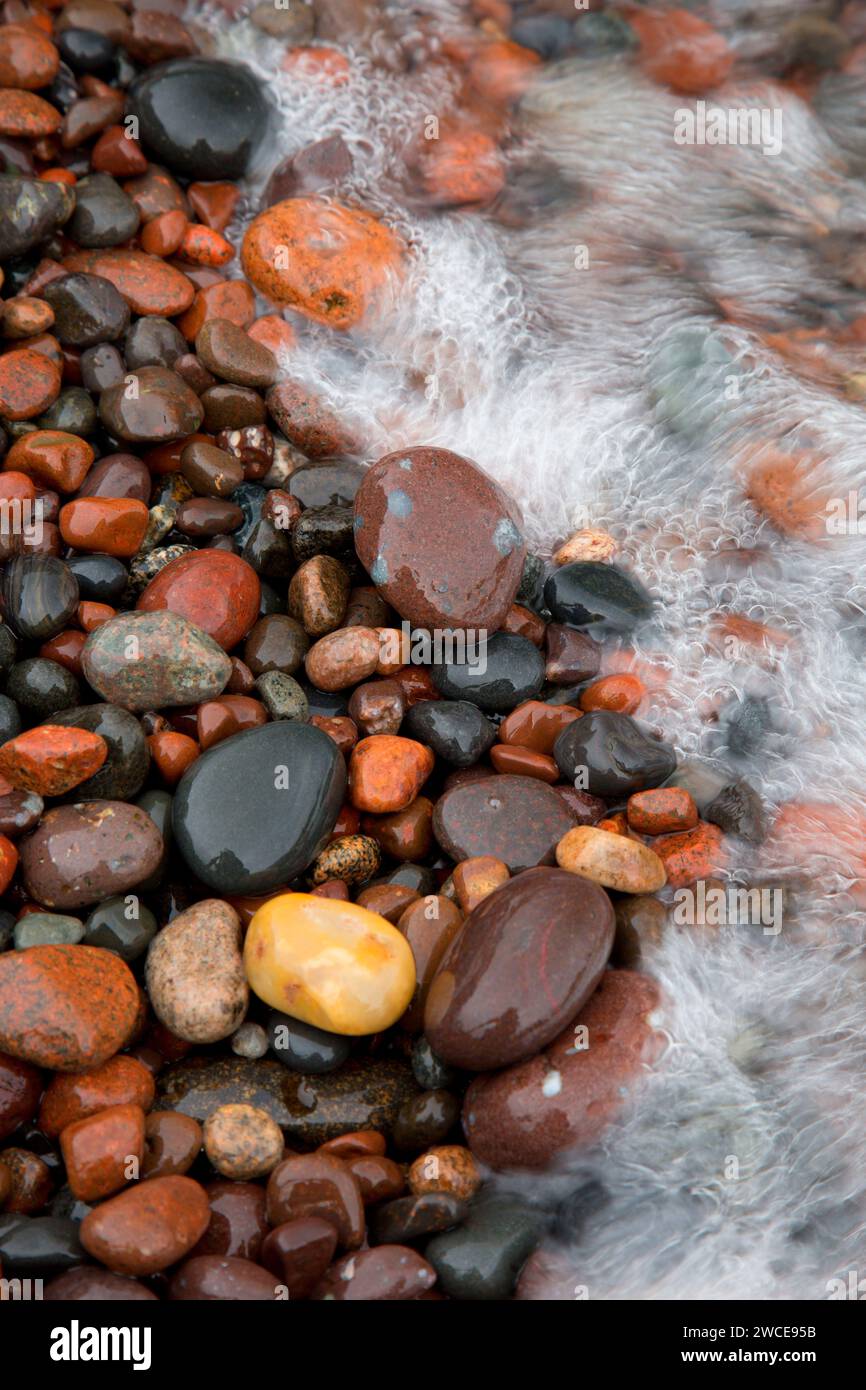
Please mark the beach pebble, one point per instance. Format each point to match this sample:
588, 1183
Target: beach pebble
194, 973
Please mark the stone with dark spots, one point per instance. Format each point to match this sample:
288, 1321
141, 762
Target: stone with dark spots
482, 1259
439, 539
90, 850
122, 775
601, 597
456, 730
203, 117
256, 809
364, 1094
40, 595
610, 755
530, 1114
148, 660
162, 409
497, 675
527, 959
516, 819
87, 310
104, 215
30, 210
65, 1007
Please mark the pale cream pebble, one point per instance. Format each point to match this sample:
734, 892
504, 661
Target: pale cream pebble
585, 545
614, 861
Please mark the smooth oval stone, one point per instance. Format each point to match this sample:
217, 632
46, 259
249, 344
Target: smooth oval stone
153, 342
30, 210
163, 408
365, 1093
65, 1007
47, 929
87, 310
456, 730
439, 539
237, 1211
410, 1218
10, 721
91, 850
40, 595
122, 925
148, 660
596, 595
516, 819
387, 1273
19, 811
30, 1245
528, 1114
481, 1013
611, 756
122, 775
301, 1047
194, 973
74, 412
329, 963
202, 117
101, 578
41, 688
482, 1258
504, 671
256, 809
222, 1279
104, 215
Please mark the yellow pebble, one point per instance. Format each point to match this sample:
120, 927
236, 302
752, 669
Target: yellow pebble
329, 963
614, 861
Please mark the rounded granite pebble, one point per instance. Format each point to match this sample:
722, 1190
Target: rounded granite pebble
82, 853
194, 973
147, 660
242, 1142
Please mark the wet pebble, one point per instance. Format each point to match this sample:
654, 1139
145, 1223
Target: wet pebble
304, 1048
517, 820
194, 973
504, 671
242, 1142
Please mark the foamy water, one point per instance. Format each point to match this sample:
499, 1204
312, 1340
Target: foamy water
567, 386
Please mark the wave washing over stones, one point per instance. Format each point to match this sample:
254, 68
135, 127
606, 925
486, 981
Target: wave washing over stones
431, 763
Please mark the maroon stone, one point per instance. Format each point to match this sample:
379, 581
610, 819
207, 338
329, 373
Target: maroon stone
118, 475
299, 1252
517, 819
528, 958
223, 1279
237, 1220
439, 539
388, 1272
529, 1114
20, 1089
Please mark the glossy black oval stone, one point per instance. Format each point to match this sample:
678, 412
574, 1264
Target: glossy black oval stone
40, 595
42, 688
255, 810
503, 672
304, 1048
599, 596
202, 117
101, 578
456, 730
618, 756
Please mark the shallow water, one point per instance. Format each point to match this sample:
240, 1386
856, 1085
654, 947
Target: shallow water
577, 389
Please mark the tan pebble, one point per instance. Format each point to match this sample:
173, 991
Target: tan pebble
242, 1142
318, 594
449, 1168
195, 976
614, 861
585, 545
475, 879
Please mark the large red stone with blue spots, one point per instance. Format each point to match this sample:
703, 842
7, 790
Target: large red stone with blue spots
439, 539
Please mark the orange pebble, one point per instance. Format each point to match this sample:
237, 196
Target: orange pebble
203, 246
65, 649
173, 754
213, 203
326, 65
16, 487
678, 48
622, 694
59, 176
92, 615
387, 772
273, 333
694, 854
8, 862
163, 235
110, 525
501, 71
523, 762
663, 811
